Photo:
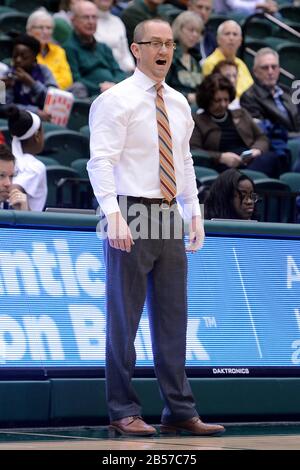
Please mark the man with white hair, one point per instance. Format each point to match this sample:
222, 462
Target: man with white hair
229, 38
270, 103
40, 25
92, 63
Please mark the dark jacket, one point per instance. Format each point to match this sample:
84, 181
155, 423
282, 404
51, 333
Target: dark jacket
206, 47
207, 134
259, 102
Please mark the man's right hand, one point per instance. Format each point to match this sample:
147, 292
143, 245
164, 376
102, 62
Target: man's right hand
18, 200
118, 232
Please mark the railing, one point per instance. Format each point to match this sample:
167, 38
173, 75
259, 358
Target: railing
278, 23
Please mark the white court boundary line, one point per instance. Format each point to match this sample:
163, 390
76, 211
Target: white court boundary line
248, 304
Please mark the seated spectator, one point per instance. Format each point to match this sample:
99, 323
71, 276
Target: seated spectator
207, 43
246, 7
27, 141
229, 38
92, 63
65, 10
270, 103
10, 196
40, 25
226, 134
27, 82
185, 72
111, 31
138, 11
231, 196
229, 69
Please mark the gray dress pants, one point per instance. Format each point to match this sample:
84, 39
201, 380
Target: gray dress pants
156, 270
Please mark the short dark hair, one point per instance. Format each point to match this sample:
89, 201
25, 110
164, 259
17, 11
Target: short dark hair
28, 41
219, 201
217, 68
206, 91
5, 154
19, 122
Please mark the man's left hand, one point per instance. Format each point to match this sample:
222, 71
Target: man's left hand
197, 234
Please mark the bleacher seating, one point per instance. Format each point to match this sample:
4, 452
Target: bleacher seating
13, 21
66, 146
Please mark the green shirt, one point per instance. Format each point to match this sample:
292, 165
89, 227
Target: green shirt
92, 64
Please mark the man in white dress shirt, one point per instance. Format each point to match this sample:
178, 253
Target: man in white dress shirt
125, 164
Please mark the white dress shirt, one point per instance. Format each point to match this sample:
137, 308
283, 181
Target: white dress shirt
111, 30
31, 176
124, 144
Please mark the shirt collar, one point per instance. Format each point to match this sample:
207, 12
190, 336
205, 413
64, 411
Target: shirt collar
143, 81
277, 91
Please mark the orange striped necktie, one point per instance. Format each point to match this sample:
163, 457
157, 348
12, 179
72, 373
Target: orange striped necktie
166, 164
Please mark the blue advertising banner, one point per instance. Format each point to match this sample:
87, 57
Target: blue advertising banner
244, 302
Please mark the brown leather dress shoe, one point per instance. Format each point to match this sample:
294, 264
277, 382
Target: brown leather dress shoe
193, 426
132, 426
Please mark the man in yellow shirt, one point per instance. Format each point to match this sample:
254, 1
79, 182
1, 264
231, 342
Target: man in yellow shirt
229, 38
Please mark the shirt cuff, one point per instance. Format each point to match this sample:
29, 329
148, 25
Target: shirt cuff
109, 205
188, 210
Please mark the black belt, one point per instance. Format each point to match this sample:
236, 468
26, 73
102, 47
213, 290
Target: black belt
149, 201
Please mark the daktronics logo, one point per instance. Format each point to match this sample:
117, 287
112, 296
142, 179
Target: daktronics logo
230, 371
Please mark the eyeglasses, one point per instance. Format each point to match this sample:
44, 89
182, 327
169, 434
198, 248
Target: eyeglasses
253, 196
159, 44
48, 28
269, 66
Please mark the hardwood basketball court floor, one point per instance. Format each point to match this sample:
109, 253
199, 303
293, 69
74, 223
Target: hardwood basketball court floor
238, 436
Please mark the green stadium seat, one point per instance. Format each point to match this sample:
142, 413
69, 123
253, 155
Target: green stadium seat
48, 161
290, 13
6, 47
85, 130
275, 203
215, 20
201, 158
289, 55
27, 6
202, 172
169, 12
284, 34
13, 22
294, 148
55, 173
79, 165
66, 146
49, 127
292, 179
6, 9
258, 29
62, 31
79, 115
253, 174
